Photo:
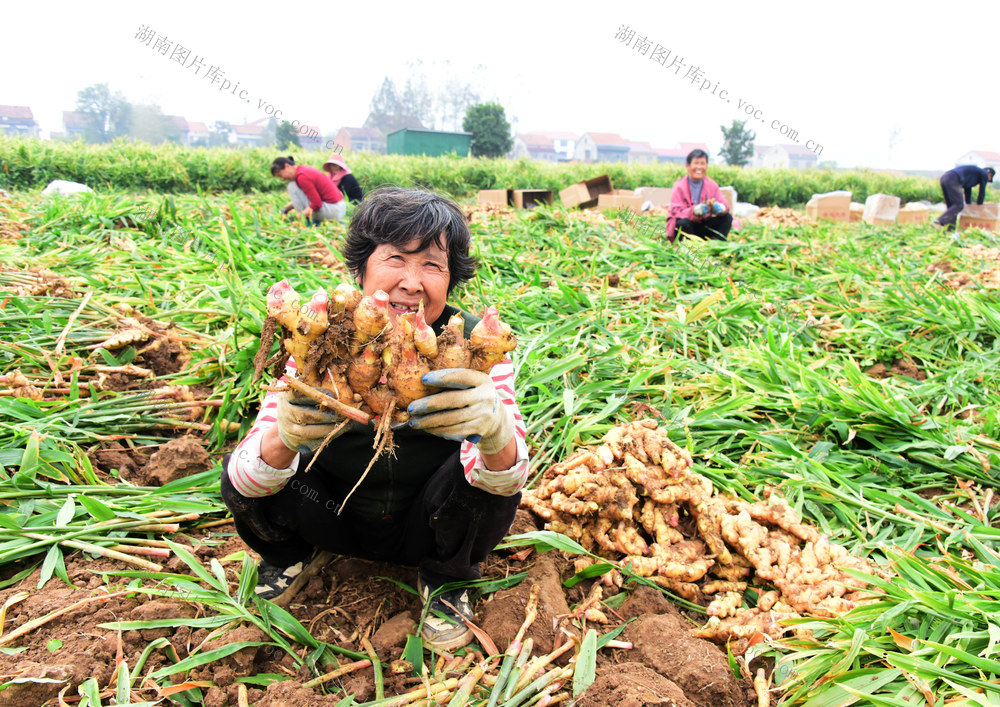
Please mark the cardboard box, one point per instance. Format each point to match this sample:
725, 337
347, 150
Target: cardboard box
503, 197
527, 198
985, 216
620, 199
729, 194
584, 194
881, 209
832, 206
857, 211
913, 213
658, 196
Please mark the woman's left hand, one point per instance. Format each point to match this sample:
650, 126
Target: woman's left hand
469, 409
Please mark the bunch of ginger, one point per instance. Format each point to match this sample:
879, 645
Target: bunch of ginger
635, 500
346, 344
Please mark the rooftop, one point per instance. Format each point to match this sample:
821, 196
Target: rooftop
16, 112
608, 139
985, 154
536, 140
248, 129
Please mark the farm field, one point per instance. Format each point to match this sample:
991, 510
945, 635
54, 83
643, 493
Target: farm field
849, 369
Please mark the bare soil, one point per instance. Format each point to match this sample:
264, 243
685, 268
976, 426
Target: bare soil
348, 601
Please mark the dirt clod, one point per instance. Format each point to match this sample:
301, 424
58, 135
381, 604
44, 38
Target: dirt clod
633, 685
390, 637
504, 614
700, 669
175, 460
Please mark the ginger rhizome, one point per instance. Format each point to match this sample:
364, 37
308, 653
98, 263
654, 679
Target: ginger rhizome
347, 345
635, 500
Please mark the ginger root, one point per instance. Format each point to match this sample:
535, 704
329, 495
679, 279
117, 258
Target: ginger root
346, 344
635, 499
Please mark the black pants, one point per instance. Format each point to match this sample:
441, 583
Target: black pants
448, 530
715, 228
954, 199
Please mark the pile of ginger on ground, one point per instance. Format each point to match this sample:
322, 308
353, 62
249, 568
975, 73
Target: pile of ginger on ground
634, 499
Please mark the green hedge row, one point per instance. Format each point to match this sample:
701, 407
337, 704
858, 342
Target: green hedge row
29, 163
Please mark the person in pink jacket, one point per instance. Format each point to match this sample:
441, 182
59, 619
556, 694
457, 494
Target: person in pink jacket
697, 207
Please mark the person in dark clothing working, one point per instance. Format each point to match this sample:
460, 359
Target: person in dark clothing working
343, 178
954, 182
449, 493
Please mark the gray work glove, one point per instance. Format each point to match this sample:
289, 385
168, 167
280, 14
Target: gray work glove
469, 408
302, 425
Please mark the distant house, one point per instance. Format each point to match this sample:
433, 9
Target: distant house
760, 153
534, 147
361, 140
641, 153
562, 142
250, 135
197, 135
75, 122
17, 120
310, 137
784, 157
601, 147
980, 158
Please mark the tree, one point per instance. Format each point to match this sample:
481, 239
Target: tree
286, 135
737, 144
109, 115
267, 138
149, 124
390, 111
490, 130
455, 100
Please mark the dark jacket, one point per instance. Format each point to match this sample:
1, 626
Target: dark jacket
970, 175
352, 188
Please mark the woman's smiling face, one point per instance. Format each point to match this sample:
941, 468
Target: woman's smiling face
409, 278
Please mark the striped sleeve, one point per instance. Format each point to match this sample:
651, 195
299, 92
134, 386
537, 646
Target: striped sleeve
249, 474
505, 482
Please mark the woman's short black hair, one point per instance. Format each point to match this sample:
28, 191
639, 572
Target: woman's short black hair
396, 216
280, 163
696, 154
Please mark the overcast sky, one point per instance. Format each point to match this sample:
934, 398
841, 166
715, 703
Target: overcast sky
848, 76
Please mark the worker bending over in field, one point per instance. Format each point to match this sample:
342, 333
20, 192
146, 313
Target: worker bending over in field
343, 178
696, 205
311, 192
954, 182
448, 495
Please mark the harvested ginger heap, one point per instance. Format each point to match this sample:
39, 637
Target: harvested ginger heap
634, 499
